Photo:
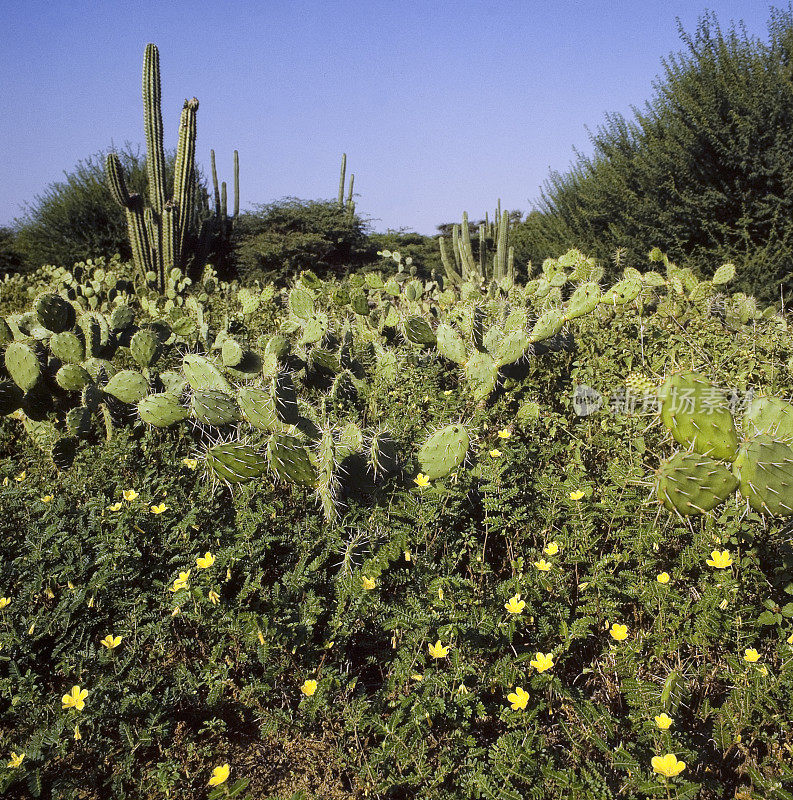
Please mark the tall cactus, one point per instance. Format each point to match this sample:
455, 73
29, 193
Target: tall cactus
167, 233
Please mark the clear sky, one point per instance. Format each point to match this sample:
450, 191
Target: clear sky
440, 106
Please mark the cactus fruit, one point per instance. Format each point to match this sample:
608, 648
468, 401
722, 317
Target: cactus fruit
764, 467
769, 415
72, 377
23, 365
444, 451
128, 386
290, 460
67, 347
235, 462
697, 413
201, 374
690, 483
54, 313
213, 407
162, 410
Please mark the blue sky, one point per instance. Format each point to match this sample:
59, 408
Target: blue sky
441, 107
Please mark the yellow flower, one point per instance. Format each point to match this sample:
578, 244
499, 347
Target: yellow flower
667, 765
214, 597
75, 699
205, 561
190, 463
16, 760
407, 555
91, 601
47, 498
309, 687
260, 635
220, 775
158, 509
31, 628
789, 638
515, 605
551, 549
519, 698
720, 560
495, 453
542, 565
619, 632
77, 734
421, 480
438, 650
417, 677
504, 433
111, 642
751, 655
763, 671
21, 477
662, 577
368, 583
440, 593
723, 604
114, 507
176, 612
130, 495
181, 581
576, 495
542, 661
664, 721
5, 481
5, 601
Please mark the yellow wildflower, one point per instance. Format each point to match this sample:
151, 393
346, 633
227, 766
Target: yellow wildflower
440, 593
31, 628
438, 650
576, 495
77, 734
763, 671
260, 636
190, 463
751, 655
91, 601
47, 498
664, 721
114, 507
720, 560
181, 581
504, 433
789, 638
368, 583
495, 453
551, 549
220, 775
519, 698
542, 661
5, 601
542, 565
205, 561
158, 509
662, 577
619, 632
5, 481
407, 555
214, 597
309, 687
16, 760
723, 604
667, 765
421, 480
130, 495
111, 642
515, 605
21, 477
417, 677
75, 699
176, 612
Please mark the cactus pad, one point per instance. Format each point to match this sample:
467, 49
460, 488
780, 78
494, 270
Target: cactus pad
583, 301
444, 451
769, 415
258, 408
418, 331
290, 460
23, 365
690, 483
481, 372
54, 313
162, 410
213, 407
201, 373
450, 344
548, 324
72, 377
144, 348
234, 462
764, 467
128, 386
67, 347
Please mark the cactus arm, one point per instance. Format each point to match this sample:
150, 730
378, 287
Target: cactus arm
349, 193
237, 184
136, 227
215, 183
342, 178
184, 177
451, 273
115, 180
152, 122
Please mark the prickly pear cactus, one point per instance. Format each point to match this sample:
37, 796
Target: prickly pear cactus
444, 451
690, 483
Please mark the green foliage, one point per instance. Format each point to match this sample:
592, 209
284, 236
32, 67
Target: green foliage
291, 235
701, 171
10, 258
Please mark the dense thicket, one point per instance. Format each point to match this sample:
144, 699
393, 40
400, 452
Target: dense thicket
292, 235
704, 171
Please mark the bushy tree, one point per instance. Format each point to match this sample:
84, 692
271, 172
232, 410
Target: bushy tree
10, 257
292, 235
703, 171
